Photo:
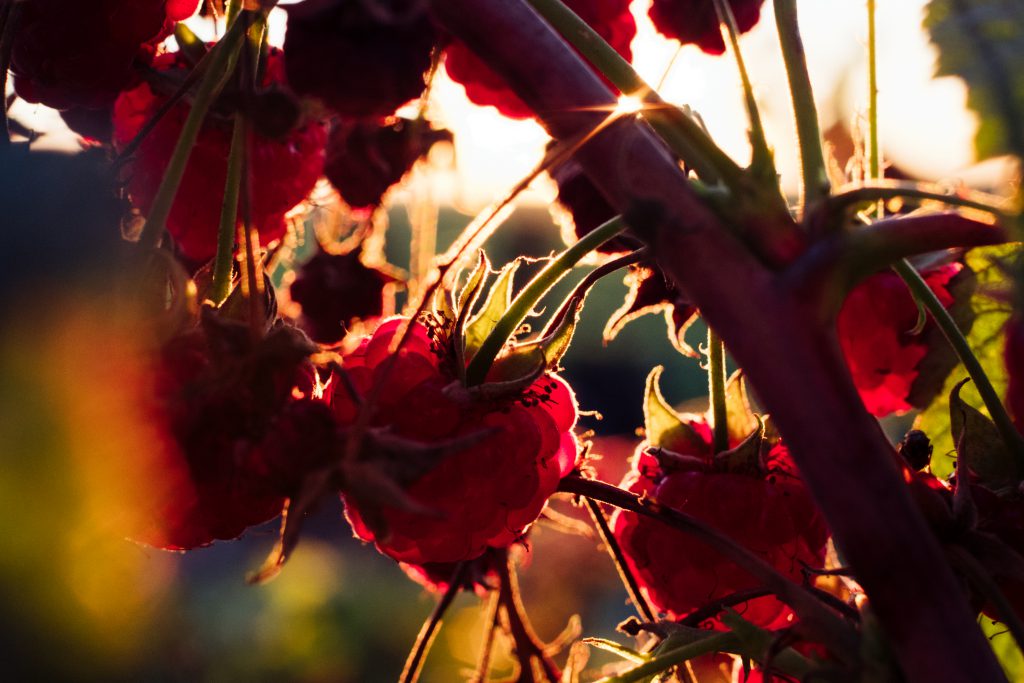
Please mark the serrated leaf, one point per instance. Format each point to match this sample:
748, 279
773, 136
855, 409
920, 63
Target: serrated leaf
498, 299
982, 42
986, 339
664, 427
980, 443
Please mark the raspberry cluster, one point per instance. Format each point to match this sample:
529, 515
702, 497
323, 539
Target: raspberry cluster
610, 18
696, 21
499, 461
765, 508
83, 54
282, 171
879, 335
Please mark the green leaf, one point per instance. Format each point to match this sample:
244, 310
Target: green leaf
980, 444
986, 339
664, 427
498, 300
982, 42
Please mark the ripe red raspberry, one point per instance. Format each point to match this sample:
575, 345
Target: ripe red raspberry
610, 18
282, 171
769, 511
82, 54
506, 456
876, 332
334, 290
696, 22
215, 393
362, 58
365, 159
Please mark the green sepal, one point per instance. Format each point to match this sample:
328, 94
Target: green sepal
746, 456
498, 300
980, 444
663, 426
742, 420
467, 298
523, 359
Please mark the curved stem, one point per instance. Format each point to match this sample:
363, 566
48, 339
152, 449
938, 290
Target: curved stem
222, 65
629, 581
880, 189
586, 283
524, 302
483, 665
713, 643
425, 639
684, 135
828, 626
528, 645
814, 176
229, 215
926, 297
716, 392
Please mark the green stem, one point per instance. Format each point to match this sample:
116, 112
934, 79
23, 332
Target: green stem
629, 581
232, 10
761, 157
814, 174
874, 148
874, 190
704, 646
684, 135
716, 387
9, 15
222, 65
229, 215
521, 306
926, 297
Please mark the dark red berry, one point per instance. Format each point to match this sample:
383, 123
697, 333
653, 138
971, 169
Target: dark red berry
770, 512
362, 58
696, 22
365, 158
878, 337
336, 289
283, 171
506, 456
610, 18
82, 54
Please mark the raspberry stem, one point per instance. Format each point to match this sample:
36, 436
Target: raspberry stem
714, 643
682, 133
420, 650
629, 581
9, 15
814, 184
224, 56
521, 306
923, 294
228, 215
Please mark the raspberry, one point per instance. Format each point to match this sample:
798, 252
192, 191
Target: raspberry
215, 396
770, 512
282, 171
610, 18
504, 460
581, 208
696, 22
479, 576
362, 58
365, 159
334, 290
82, 54
876, 332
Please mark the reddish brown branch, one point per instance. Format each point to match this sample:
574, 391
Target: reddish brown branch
773, 332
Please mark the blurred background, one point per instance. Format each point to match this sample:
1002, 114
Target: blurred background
80, 603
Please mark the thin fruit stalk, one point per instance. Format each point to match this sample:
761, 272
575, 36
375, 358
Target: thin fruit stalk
794, 364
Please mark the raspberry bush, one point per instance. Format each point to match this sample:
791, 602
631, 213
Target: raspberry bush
803, 527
